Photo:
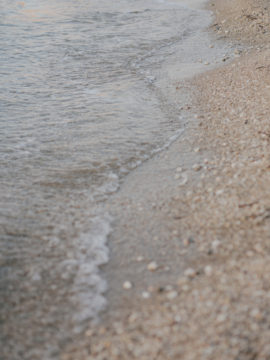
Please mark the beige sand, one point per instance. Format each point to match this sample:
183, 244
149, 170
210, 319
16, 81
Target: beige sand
242, 20
209, 226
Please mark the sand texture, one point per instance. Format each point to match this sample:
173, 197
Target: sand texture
242, 20
196, 286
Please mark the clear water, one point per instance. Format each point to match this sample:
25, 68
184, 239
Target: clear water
82, 103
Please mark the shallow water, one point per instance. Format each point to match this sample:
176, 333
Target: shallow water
83, 101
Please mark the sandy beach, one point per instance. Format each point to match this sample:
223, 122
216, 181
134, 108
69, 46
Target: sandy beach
190, 251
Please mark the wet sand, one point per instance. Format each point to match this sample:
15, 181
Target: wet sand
190, 252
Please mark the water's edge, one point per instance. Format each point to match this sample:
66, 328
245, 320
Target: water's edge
56, 220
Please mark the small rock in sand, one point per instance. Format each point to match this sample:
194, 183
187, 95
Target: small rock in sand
197, 167
256, 314
133, 317
184, 180
177, 318
172, 295
190, 273
185, 242
127, 285
215, 244
208, 270
258, 248
221, 318
152, 266
145, 295
89, 333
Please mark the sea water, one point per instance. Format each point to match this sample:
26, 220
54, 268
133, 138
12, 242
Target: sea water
84, 99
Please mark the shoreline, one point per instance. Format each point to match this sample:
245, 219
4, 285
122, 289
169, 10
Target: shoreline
139, 208
207, 256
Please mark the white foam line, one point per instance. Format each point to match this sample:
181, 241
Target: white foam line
171, 140
88, 288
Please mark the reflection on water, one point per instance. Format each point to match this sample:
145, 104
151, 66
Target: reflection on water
79, 110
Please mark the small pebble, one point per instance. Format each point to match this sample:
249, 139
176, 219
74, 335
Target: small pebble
219, 192
89, 333
190, 273
183, 252
145, 295
185, 287
133, 317
102, 331
186, 242
177, 319
116, 352
256, 314
215, 244
127, 285
152, 266
221, 318
208, 270
184, 180
172, 295
140, 258
36, 277
196, 167
258, 248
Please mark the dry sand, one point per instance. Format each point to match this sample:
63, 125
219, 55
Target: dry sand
207, 229
245, 21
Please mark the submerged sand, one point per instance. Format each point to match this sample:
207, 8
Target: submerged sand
207, 228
